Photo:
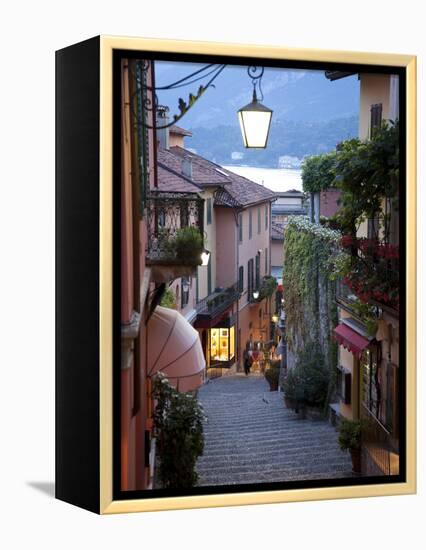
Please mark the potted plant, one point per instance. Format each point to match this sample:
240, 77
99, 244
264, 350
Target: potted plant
350, 440
289, 388
178, 427
188, 245
272, 375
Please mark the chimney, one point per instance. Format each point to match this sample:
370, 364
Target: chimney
187, 168
163, 133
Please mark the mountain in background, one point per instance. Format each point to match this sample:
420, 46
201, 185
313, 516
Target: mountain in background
223, 144
311, 114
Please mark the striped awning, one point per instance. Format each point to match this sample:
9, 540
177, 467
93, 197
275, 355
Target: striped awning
350, 339
174, 348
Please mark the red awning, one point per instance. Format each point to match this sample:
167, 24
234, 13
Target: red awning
350, 339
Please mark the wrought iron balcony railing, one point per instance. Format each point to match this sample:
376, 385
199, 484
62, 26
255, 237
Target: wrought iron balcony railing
266, 289
378, 445
345, 296
216, 303
175, 227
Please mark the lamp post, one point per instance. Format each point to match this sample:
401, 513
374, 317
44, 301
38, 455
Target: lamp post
255, 118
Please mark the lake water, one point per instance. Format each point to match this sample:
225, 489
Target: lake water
276, 179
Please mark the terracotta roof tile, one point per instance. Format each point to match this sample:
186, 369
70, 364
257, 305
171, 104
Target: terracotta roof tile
170, 181
237, 191
203, 173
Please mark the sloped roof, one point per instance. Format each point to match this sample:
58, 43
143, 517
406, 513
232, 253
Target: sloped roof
168, 180
174, 129
236, 192
204, 174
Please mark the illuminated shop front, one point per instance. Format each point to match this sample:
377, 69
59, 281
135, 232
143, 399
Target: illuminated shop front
221, 347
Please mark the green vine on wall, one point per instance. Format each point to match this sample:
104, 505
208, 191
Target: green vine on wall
318, 172
309, 288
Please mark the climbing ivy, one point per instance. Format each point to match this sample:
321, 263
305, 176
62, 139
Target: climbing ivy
309, 289
318, 172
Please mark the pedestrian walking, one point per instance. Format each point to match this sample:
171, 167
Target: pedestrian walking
247, 362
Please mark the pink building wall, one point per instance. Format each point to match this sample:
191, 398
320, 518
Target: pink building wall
249, 247
226, 247
135, 401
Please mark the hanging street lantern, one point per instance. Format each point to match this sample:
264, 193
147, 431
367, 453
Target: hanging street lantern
255, 118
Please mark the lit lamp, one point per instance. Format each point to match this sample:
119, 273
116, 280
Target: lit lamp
255, 121
255, 294
205, 257
275, 318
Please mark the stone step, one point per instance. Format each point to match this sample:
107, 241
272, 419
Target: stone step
276, 475
250, 437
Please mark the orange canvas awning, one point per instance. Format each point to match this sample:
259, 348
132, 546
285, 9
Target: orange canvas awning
350, 339
174, 348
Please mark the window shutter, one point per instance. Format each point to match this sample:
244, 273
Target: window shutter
347, 390
376, 118
241, 279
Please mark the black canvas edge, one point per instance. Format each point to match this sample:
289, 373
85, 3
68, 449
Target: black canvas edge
77, 423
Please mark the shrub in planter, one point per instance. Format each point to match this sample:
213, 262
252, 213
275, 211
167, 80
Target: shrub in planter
307, 384
313, 376
289, 388
178, 427
350, 440
272, 375
188, 245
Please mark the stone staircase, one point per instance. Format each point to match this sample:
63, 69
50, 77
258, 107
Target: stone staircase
250, 437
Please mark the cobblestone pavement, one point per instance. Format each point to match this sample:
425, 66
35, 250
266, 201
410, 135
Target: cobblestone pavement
250, 437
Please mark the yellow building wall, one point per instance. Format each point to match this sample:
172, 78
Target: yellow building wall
374, 88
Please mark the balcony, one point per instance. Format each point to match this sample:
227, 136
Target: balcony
268, 285
211, 308
346, 298
175, 232
379, 448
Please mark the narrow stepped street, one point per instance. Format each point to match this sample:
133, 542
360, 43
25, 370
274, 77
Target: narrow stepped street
250, 437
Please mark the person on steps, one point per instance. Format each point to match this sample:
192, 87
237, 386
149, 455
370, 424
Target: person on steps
247, 362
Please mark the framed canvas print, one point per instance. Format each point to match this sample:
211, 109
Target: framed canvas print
235, 289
